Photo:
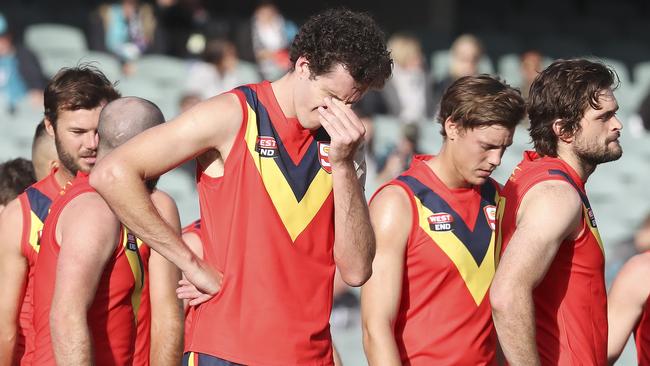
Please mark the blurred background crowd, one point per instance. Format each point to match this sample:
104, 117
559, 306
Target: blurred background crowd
179, 52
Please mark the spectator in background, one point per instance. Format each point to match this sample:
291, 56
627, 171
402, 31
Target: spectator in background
20, 72
126, 29
408, 94
184, 23
187, 101
640, 122
266, 40
15, 176
531, 65
464, 57
399, 158
220, 71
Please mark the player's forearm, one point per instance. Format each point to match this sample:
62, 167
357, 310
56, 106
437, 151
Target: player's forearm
379, 345
71, 339
513, 312
354, 241
8, 335
125, 192
167, 338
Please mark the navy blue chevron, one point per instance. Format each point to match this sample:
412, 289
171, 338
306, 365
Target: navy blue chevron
38, 202
476, 241
564, 175
299, 176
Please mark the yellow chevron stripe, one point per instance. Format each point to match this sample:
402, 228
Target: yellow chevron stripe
35, 226
501, 208
477, 278
295, 215
594, 230
138, 273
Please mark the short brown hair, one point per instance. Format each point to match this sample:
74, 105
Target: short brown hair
565, 90
481, 100
15, 176
81, 87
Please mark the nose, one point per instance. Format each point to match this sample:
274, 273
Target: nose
617, 123
91, 140
494, 157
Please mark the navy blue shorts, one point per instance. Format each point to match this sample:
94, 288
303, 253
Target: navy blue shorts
200, 359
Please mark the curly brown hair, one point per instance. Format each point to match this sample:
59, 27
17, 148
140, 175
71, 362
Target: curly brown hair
564, 91
481, 100
15, 176
341, 36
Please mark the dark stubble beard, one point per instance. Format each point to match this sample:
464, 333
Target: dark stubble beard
592, 153
65, 158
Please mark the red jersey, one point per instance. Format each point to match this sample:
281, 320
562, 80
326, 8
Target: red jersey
139, 262
113, 313
444, 316
35, 206
268, 226
642, 336
570, 302
194, 228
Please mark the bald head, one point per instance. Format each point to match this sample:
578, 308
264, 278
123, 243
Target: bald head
123, 118
44, 156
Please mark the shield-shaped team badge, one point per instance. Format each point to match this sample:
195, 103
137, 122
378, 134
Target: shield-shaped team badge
324, 156
491, 216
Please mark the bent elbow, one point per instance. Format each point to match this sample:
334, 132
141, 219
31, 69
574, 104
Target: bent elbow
501, 298
58, 321
356, 278
103, 176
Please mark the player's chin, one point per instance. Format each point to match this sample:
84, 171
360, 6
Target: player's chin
85, 166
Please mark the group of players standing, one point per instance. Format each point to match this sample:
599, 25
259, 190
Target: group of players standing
447, 257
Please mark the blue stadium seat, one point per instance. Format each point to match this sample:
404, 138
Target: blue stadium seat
49, 39
161, 70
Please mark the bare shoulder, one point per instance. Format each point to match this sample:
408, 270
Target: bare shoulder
221, 114
553, 196
392, 198
87, 207
391, 215
11, 224
637, 269
12, 214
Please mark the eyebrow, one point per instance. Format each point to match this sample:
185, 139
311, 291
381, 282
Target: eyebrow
610, 112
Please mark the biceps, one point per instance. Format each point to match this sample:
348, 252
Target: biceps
527, 257
380, 296
13, 272
77, 278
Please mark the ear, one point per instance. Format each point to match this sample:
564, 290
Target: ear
53, 164
562, 135
451, 129
302, 68
49, 127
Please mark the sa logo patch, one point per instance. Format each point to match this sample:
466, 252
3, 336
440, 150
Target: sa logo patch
441, 221
491, 216
266, 146
324, 156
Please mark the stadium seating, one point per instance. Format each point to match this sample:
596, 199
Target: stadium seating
50, 39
